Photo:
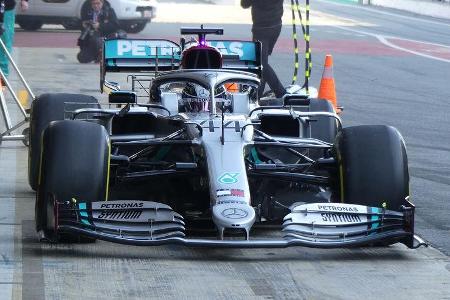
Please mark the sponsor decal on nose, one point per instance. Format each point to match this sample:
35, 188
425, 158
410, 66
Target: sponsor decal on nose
234, 213
231, 193
228, 178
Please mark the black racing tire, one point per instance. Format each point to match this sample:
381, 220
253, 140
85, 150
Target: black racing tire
45, 109
30, 25
323, 128
373, 166
134, 27
75, 165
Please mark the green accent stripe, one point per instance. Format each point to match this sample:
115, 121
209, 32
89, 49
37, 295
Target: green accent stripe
255, 156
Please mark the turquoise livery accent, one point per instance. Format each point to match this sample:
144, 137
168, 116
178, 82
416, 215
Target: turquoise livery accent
245, 50
375, 218
83, 213
82, 206
141, 49
121, 55
228, 178
85, 222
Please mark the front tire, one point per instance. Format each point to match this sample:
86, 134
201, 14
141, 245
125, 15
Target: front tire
45, 109
75, 164
373, 166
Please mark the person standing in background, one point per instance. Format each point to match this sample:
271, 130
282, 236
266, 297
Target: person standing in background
8, 20
99, 21
266, 17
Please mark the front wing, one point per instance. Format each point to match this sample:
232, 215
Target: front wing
145, 223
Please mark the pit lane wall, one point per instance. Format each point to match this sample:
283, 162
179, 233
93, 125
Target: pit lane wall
432, 8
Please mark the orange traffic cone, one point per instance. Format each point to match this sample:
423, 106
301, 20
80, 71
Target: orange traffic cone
327, 88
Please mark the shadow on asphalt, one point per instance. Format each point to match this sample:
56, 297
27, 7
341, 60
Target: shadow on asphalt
181, 253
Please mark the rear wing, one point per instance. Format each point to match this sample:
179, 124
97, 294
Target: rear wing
138, 55
237, 55
151, 55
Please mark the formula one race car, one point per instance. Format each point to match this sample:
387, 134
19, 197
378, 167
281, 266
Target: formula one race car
202, 162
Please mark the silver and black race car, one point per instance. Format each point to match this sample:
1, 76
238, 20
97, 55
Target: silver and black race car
204, 162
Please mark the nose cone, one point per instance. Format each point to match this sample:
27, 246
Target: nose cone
233, 215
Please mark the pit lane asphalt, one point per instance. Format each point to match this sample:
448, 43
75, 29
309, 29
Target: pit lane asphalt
378, 86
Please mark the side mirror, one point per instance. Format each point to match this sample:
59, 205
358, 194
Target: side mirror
119, 97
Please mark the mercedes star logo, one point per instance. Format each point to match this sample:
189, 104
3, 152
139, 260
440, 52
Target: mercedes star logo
234, 213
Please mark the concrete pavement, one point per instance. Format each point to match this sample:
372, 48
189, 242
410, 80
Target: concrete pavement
198, 9
436, 9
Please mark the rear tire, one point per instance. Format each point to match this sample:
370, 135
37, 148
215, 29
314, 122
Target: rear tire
45, 109
373, 166
75, 164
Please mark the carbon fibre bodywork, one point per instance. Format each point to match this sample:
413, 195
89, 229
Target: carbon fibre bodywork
200, 155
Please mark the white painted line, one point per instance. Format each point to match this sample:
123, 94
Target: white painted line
429, 8
416, 41
383, 40
387, 13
